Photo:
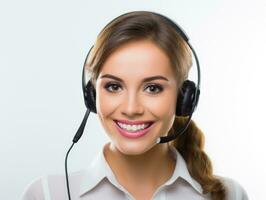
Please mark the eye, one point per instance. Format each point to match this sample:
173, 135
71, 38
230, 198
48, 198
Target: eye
155, 88
112, 87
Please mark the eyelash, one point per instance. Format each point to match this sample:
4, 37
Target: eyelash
157, 86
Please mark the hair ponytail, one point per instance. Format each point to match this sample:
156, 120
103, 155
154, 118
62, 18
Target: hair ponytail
190, 145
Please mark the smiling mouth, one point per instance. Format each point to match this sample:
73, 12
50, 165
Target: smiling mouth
133, 128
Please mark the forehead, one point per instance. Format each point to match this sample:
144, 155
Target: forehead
138, 59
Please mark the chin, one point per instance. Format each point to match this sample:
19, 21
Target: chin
133, 147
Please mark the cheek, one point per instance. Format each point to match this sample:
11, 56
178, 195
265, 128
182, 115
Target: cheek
164, 110
163, 106
106, 104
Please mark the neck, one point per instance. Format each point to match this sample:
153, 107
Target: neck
150, 169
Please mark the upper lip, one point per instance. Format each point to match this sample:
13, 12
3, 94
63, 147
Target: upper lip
133, 122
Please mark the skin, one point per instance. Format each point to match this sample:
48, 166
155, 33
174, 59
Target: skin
140, 165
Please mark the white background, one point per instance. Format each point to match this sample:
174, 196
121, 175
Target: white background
43, 45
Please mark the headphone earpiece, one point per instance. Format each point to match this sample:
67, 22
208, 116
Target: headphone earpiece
186, 99
90, 97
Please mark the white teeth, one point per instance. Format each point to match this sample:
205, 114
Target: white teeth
133, 127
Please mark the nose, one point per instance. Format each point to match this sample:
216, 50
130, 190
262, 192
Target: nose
132, 105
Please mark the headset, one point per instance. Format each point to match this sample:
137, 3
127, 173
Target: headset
186, 104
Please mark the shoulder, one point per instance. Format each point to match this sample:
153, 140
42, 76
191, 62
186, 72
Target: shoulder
235, 190
42, 187
34, 190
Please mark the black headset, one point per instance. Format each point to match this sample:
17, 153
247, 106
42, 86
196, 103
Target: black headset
186, 104
188, 96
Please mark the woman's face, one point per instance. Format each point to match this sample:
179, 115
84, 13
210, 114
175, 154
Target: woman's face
123, 94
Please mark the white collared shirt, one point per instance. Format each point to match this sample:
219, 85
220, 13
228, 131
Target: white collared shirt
99, 183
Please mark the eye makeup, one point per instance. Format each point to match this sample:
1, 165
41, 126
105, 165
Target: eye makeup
154, 88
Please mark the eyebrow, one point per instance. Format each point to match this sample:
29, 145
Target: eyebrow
147, 79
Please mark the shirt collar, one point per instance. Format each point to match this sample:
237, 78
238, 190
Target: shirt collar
181, 170
100, 169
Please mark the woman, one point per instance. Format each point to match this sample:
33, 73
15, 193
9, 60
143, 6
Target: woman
135, 110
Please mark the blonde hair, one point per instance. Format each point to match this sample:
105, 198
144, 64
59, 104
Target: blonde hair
139, 25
